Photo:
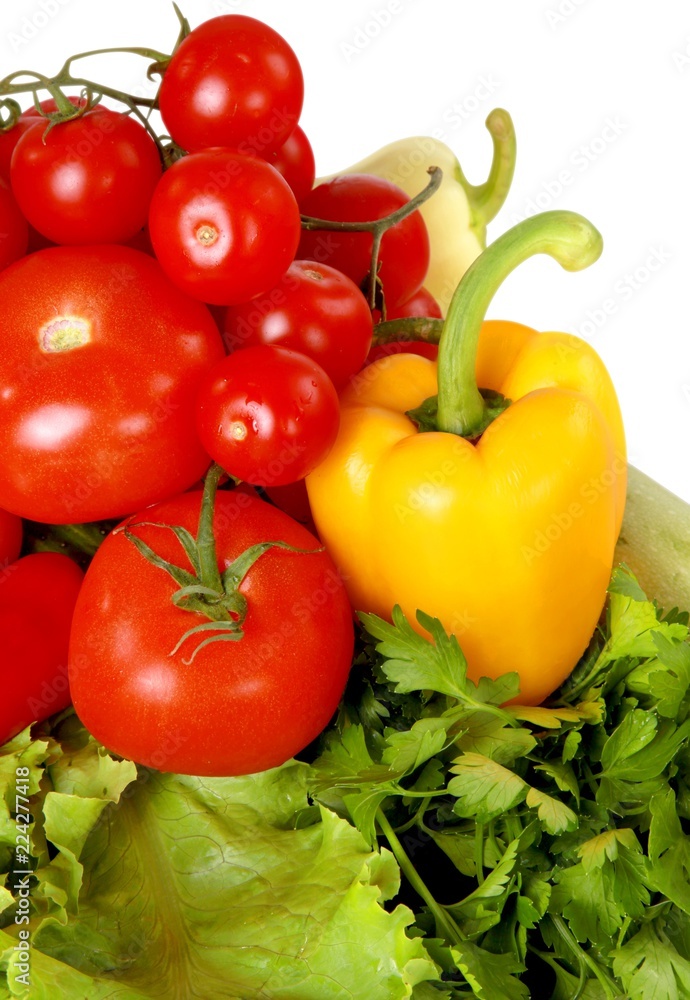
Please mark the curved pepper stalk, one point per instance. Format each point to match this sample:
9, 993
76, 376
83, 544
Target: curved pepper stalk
567, 237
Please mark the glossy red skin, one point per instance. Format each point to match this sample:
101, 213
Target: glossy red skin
313, 309
89, 180
233, 81
281, 401
249, 209
422, 303
419, 347
11, 535
294, 500
8, 140
239, 707
37, 598
404, 255
106, 427
295, 162
10, 137
14, 231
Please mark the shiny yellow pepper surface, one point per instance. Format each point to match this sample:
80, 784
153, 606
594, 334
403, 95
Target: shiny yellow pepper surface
502, 526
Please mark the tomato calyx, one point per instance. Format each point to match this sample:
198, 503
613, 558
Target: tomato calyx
206, 590
378, 228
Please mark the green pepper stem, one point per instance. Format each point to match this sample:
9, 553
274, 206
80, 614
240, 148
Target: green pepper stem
487, 198
567, 237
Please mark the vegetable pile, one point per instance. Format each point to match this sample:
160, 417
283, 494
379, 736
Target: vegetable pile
343, 654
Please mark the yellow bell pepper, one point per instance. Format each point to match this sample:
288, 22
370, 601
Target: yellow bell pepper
457, 215
502, 526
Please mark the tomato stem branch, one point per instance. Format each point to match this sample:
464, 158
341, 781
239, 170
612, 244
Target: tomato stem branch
378, 227
426, 328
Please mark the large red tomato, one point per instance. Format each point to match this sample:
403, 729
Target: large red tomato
37, 597
240, 706
101, 360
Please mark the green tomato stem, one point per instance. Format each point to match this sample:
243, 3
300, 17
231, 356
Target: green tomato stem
209, 575
378, 227
426, 328
567, 237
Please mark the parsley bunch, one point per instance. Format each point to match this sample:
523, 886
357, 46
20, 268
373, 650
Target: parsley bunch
544, 850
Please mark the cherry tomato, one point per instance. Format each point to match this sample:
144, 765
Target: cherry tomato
9, 137
404, 254
267, 415
241, 706
313, 309
37, 598
89, 180
233, 81
14, 231
294, 500
403, 347
225, 226
295, 162
98, 384
422, 303
11, 535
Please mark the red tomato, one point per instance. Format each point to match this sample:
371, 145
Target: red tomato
89, 180
267, 415
422, 303
403, 347
14, 231
295, 162
9, 137
241, 706
98, 384
37, 598
224, 226
294, 500
233, 81
404, 255
313, 309
11, 536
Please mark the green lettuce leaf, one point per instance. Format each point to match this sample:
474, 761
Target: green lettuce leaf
166, 885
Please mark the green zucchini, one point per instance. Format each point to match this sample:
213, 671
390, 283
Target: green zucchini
655, 540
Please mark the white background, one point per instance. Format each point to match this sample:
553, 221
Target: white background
599, 93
